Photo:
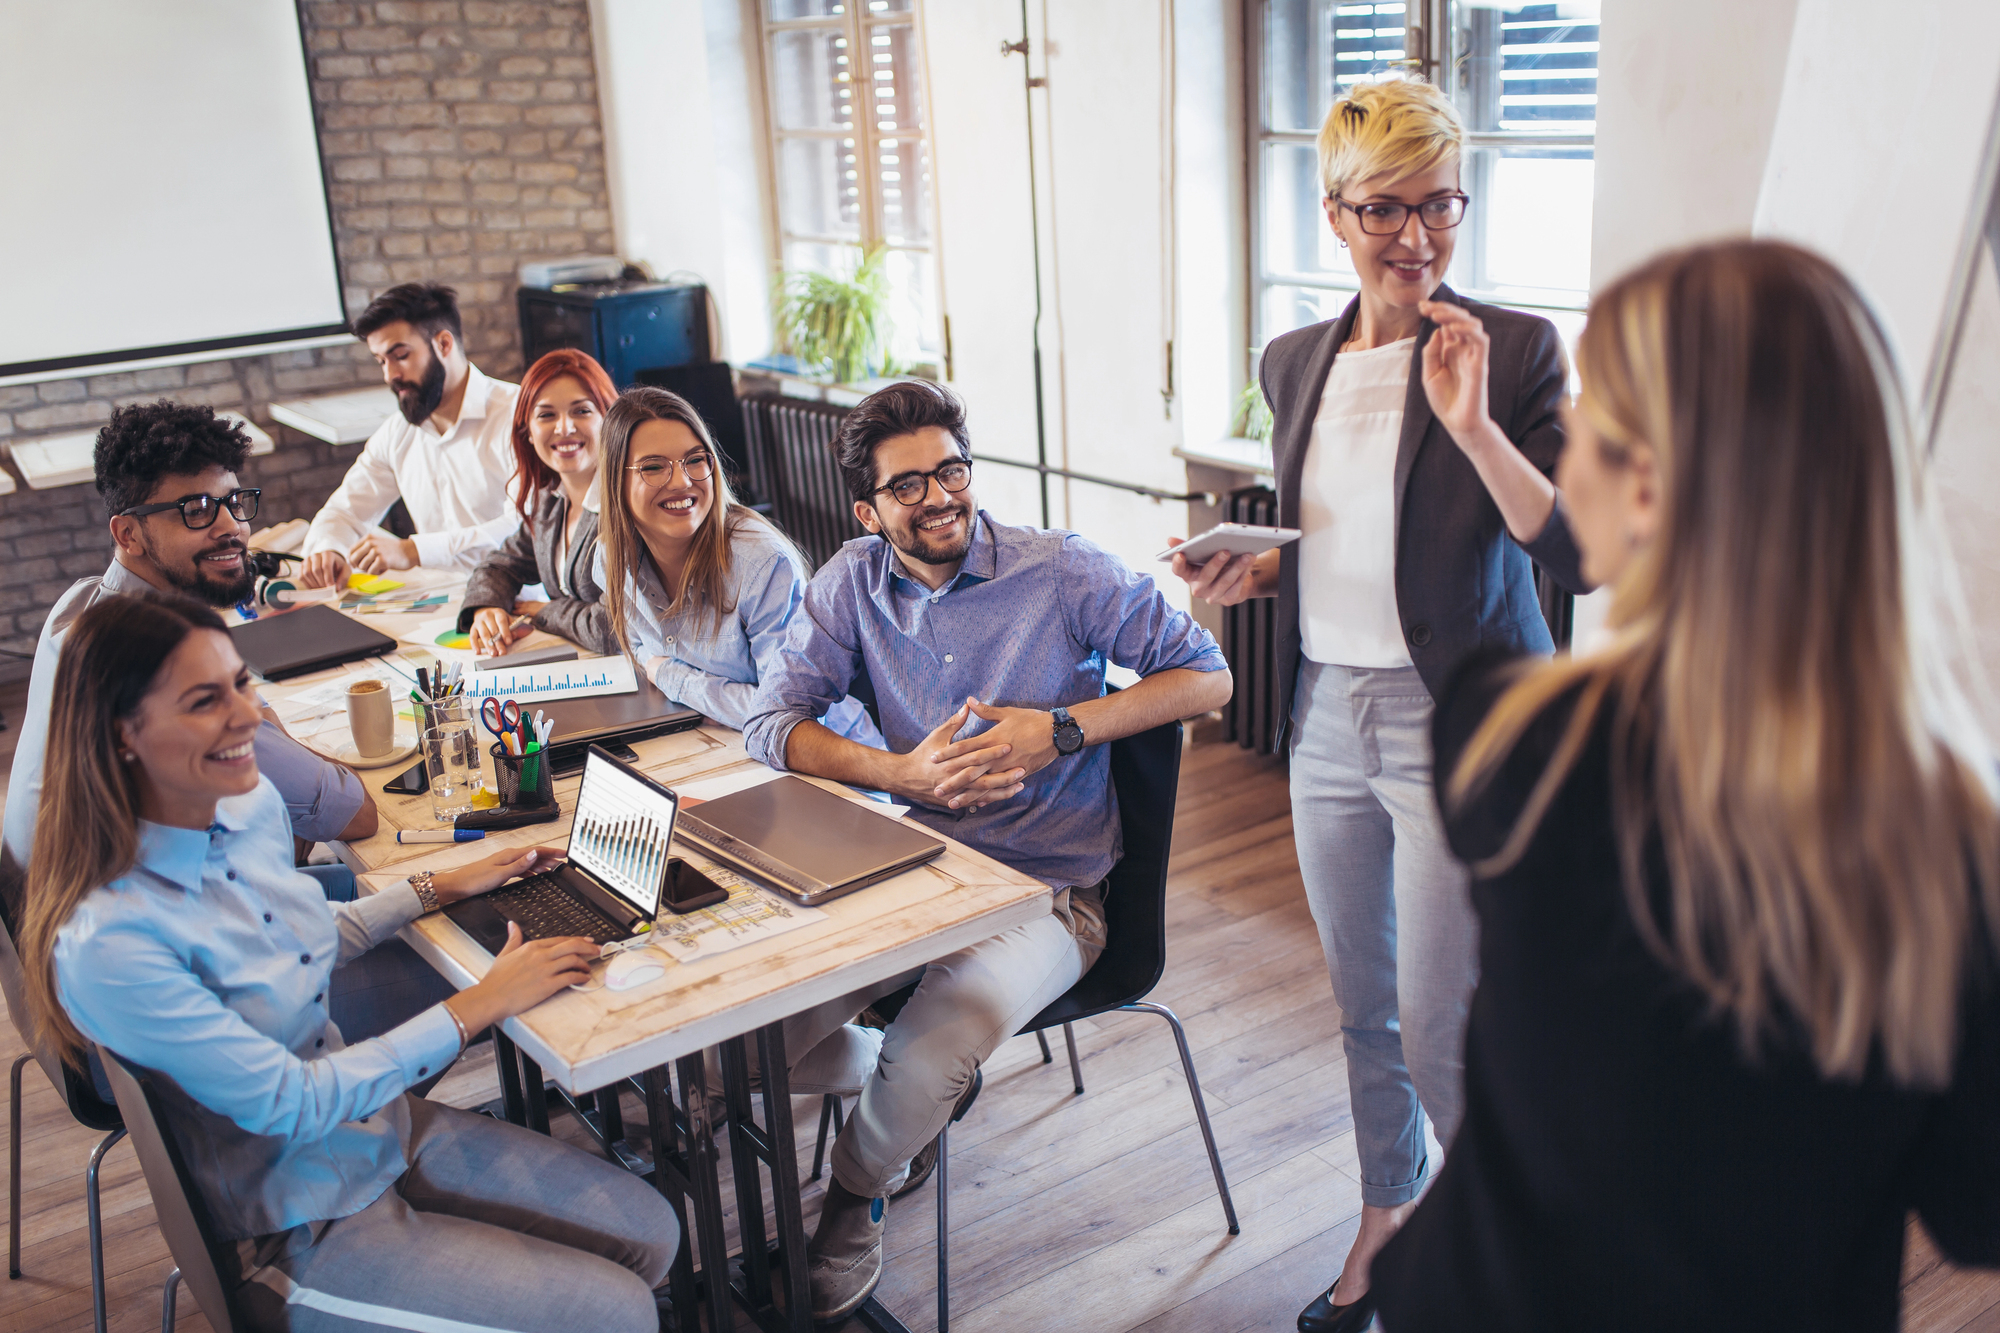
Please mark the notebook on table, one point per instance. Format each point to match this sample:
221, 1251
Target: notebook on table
311, 638
804, 841
609, 887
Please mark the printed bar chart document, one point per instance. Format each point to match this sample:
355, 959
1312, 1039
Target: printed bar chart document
556, 680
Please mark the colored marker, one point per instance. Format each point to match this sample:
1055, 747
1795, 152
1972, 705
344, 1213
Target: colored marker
440, 835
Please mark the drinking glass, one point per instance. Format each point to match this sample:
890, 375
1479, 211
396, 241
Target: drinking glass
451, 758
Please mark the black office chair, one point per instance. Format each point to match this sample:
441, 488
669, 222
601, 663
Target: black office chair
78, 1092
177, 1202
1145, 772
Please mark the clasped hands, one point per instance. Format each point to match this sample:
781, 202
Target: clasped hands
978, 770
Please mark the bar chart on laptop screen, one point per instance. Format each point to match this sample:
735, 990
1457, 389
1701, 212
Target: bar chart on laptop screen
621, 835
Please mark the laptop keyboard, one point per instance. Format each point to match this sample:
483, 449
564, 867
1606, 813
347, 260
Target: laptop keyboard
545, 911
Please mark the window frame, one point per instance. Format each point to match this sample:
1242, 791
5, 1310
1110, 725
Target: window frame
1430, 30
857, 25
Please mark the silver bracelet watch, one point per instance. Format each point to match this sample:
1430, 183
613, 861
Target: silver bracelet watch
421, 882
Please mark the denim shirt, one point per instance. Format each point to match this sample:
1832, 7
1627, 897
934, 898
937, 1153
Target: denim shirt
1029, 621
208, 963
715, 668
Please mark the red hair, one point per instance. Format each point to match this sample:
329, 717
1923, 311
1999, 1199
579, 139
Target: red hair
534, 475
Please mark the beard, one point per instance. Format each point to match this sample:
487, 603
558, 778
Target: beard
919, 546
200, 583
417, 401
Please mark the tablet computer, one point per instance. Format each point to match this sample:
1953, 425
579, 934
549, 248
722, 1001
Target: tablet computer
1230, 539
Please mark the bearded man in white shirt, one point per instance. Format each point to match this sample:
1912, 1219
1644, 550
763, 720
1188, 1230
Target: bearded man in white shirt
448, 455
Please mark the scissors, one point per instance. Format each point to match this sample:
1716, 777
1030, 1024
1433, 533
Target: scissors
502, 719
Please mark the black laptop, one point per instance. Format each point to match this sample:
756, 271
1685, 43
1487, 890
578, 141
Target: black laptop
613, 721
609, 888
309, 639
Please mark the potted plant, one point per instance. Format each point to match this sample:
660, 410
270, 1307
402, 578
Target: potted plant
837, 326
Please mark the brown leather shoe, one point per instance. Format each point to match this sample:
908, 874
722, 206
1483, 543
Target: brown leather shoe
925, 1162
844, 1260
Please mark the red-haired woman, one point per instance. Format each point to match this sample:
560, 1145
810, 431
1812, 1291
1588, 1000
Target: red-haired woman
562, 403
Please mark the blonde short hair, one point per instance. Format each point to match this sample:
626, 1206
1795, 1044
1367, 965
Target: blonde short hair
1396, 127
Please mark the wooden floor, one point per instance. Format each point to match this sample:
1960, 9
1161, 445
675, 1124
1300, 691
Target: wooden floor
1068, 1213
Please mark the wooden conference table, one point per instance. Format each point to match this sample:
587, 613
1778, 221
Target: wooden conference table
596, 1041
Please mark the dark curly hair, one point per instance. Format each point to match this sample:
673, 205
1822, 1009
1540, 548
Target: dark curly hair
424, 306
900, 409
147, 441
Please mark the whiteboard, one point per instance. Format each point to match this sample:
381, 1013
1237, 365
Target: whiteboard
1888, 110
164, 193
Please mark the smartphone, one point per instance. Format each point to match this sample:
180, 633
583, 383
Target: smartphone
412, 781
1230, 539
688, 890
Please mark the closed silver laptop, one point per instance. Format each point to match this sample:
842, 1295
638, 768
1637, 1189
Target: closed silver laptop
803, 840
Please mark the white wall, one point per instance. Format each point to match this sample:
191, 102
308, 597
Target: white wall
684, 152
1854, 133
1687, 98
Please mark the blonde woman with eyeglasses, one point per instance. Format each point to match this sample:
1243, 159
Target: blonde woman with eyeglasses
1415, 437
1735, 869
699, 587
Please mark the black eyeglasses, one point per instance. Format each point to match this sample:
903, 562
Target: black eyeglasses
911, 488
201, 511
656, 472
1441, 214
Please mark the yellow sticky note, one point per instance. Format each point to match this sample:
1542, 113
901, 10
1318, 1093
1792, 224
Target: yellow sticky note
368, 585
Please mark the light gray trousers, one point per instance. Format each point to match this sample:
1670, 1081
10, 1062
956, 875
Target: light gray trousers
1394, 910
493, 1229
910, 1077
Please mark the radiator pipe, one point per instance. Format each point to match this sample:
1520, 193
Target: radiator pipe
1028, 83
1204, 497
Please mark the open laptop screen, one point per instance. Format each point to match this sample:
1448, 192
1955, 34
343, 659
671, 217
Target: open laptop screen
621, 833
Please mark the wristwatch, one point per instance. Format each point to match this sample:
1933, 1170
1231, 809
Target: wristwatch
421, 882
1068, 733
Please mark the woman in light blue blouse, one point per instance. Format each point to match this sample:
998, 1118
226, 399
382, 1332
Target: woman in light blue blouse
165, 922
698, 587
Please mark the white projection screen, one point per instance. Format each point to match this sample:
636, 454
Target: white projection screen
164, 196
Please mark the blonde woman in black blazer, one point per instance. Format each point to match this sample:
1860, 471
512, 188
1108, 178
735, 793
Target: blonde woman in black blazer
1415, 438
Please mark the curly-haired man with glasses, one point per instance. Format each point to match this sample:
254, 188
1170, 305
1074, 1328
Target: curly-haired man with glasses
180, 521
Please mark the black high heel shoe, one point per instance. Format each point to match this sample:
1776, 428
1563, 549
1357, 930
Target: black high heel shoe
1323, 1316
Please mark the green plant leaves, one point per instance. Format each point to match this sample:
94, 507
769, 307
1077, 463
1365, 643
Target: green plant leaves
839, 326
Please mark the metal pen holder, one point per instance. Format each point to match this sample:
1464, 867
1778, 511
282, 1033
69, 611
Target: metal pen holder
523, 780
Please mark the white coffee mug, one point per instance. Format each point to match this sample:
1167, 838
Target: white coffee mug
371, 716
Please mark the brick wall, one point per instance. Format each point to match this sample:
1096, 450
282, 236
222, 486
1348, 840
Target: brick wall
461, 137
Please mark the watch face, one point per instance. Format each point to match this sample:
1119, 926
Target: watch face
1069, 738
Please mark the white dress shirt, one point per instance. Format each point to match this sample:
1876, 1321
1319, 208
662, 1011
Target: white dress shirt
457, 485
1347, 513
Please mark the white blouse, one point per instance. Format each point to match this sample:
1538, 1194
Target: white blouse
1347, 512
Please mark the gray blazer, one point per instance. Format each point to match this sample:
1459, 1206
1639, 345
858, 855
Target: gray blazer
1461, 581
529, 556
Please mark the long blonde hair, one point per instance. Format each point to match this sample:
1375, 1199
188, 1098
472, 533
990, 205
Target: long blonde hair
704, 581
1782, 715
87, 827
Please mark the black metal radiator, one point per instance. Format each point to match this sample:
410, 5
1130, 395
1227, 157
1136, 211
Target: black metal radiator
1249, 641
792, 466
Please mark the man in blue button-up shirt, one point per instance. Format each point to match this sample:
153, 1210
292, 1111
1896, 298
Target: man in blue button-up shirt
983, 647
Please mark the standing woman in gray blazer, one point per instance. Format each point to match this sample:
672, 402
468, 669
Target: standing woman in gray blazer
1415, 439
558, 417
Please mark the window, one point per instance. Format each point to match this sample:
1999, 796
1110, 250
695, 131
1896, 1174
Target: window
1524, 77
851, 152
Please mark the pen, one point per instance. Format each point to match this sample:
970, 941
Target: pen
440, 835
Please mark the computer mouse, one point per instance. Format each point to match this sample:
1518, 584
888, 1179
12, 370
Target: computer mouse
634, 967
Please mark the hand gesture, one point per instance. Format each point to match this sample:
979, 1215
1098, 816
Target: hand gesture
1027, 735
957, 774
1224, 580
1455, 368
490, 872
494, 631
324, 569
378, 552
